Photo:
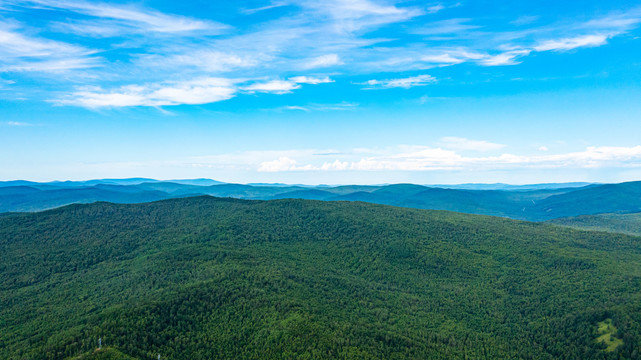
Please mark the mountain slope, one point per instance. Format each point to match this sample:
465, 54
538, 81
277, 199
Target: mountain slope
24, 198
207, 278
621, 223
534, 204
595, 199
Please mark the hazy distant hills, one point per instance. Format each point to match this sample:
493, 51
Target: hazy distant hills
527, 202
220, 278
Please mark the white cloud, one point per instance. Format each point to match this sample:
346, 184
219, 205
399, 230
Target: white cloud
617, 22
134, 17
408, 158
524, 20
405, 83
263, 8
506, 58
19, 52
543, 148
572, 43
458, 143
52, 66
273, 86
447, 57
451, 56
322, 61
199, 91
311, 80
340, 35
330, 107
285, 86
18, 123
435, 8
208, 60
15, 44
283, 164
321, 107
294, 107
354, 15
425, 158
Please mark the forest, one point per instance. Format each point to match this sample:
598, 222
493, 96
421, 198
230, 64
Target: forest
220, 278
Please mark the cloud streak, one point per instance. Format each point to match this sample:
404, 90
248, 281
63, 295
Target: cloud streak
424, 158
193, 92
130, 16
132, 44
405, 83
200, 91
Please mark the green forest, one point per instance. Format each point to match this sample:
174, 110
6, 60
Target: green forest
211, 278
621, 223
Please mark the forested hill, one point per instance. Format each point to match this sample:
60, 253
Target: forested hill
537, 202
210, 278
621, 223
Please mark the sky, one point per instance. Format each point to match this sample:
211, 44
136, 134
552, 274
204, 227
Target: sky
321, 92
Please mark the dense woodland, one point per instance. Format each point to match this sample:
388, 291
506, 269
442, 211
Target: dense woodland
621, 223
210, 278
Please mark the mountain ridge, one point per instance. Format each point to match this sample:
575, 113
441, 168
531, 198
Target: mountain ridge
539, 204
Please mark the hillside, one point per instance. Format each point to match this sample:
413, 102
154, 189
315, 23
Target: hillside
528, 202
621, 223
607, 198
26, 198
209, 278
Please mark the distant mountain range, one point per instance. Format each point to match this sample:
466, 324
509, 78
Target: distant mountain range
537, 202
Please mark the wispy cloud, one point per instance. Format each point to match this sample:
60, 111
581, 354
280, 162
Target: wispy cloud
424, 158
285, 86
17, 123
572, 43
273, 86
524, 20
321, 107
142, 46
19, 52
405, 83
273, 5
435, 8
506, 58
415, 158
322, 61
311, 80
142, 19
15, 44
283, 164
196, 91
356, 15
199, 91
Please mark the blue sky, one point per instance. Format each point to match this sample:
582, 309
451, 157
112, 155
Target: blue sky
331, 91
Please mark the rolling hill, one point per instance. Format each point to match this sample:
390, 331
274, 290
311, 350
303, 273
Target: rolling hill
211, 278
531, 202
621, 223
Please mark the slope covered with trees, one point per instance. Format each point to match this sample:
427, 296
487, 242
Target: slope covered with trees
207, 278
622, 223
